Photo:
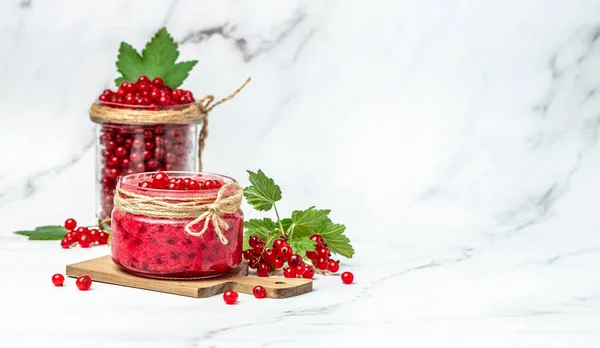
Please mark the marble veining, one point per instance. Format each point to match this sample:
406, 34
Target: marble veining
457, 140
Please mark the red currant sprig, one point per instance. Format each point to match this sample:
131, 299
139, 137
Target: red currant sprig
82, 236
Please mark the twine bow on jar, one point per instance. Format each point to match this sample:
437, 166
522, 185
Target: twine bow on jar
209, 209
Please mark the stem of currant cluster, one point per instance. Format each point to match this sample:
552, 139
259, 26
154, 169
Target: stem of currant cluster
279, 221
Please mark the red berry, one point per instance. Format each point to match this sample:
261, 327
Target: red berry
285, 252
257, 249
309, 272
295, 260
253, 263
323, 252
85, 240
172, 186
155, 94
289, 272
269, 255
83, 283
321, 263
248, 254
66, 243
253, 241
145, 184
70, 224
311, 255
94, 235
317, 239
143, 79
193, 185
208, 185
158, 82
160, 180
81, 230
71, 237
102, 238
347, 277
278, 243
333, 266
259, 292
230, 296
58, 279
277, 262
121, 151
263, 270
185, 99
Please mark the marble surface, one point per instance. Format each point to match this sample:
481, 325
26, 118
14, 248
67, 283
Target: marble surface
457, 140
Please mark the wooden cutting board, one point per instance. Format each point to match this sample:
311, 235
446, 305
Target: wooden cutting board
104, 270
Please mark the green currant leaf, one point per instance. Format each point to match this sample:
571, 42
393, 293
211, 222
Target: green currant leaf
337, 242
301, 245
45, 233
263, 193
129, 64
160, 54
246, 245
306, 222
264, 228
175, 76
286, 223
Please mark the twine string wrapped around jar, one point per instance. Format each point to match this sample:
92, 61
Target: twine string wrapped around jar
209, 209
142, 115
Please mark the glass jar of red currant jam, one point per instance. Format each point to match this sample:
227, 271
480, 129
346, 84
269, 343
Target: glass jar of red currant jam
136, 139
159, 243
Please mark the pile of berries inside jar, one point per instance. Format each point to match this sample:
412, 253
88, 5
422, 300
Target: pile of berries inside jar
136, 148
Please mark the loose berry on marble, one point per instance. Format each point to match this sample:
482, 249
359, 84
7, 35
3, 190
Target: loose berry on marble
58, 279
66, 243
347, 277
70, 224
94, 235
85, 241
259, 292
230, 296
83, 283
289, 272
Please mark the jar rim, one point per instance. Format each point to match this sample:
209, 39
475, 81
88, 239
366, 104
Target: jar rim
145, 107
127, 182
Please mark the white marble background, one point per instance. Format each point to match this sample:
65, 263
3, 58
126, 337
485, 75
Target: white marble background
457, 140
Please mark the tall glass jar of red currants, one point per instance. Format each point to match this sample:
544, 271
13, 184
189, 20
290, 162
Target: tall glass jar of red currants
145, 126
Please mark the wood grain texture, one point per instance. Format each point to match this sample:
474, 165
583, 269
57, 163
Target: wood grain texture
104, 270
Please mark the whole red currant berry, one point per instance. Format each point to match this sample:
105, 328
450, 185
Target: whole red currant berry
102, 238
278, 243
85, 241
66, 243
160, 180
253, 241
58, 279
143, 79
295, 260
193, 185
259, 292
285, 252
70, 224
230, 296
333, 266
253, 263
309, 272
311, 255
83, 283
322, 263
269, 255
289, 272
347, 277
277, 262
263, 270
317, 239
145, 184
94, 235
323, 252
248, 254
81, 231
158, 82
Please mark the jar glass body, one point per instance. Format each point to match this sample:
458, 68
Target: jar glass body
161, 248
128, 148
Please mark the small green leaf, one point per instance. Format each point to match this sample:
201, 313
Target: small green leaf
286, 223
301, 245
246, 245
306, 222
263, 193
160, 54
336, 241
175, 76
129, 64
264, 228
44, 233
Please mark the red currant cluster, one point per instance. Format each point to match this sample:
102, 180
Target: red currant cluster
162, 181
82, 235
267, 259
129, 149
83, 283
144, 92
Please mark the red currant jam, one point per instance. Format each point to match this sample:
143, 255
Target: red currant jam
160, 247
